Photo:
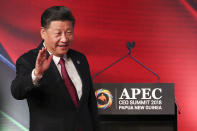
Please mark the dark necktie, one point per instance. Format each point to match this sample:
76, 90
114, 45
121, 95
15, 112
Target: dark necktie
68, 83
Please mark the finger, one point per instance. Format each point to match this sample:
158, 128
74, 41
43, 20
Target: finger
43, 55
38, 57
43, 52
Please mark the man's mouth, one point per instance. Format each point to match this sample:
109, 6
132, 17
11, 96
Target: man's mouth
63, 45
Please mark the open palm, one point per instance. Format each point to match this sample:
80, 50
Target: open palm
42, 63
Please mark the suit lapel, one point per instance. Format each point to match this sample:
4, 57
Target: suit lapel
78, 65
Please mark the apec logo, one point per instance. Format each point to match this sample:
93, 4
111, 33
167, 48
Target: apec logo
137, 99
144, 93
104, 98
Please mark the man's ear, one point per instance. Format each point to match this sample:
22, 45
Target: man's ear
43, 33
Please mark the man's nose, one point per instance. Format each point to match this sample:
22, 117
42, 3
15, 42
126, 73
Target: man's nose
64, 38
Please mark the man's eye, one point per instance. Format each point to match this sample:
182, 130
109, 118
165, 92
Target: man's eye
58, 33
69, 33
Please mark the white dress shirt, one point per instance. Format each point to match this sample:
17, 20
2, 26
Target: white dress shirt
72, 72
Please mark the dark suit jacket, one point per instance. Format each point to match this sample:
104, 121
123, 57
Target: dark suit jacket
50, 105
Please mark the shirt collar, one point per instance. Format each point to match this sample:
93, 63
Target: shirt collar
56, 59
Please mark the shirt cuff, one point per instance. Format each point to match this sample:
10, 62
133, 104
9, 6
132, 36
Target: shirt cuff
35, 79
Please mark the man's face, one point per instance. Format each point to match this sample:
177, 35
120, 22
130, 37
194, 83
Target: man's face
58, 37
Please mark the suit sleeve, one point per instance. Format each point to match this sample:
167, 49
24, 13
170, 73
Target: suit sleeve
22, 84
94, 110
93, 105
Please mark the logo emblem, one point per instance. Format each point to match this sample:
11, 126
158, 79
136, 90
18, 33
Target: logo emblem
104, 98
78, 62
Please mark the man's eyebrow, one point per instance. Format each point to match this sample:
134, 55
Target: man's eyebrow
60, 29
56, 29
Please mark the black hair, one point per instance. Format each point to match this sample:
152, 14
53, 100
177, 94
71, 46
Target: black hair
53, 13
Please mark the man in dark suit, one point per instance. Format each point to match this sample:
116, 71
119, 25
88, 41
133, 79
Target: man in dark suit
55, 79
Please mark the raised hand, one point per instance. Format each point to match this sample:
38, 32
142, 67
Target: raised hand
42, 63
